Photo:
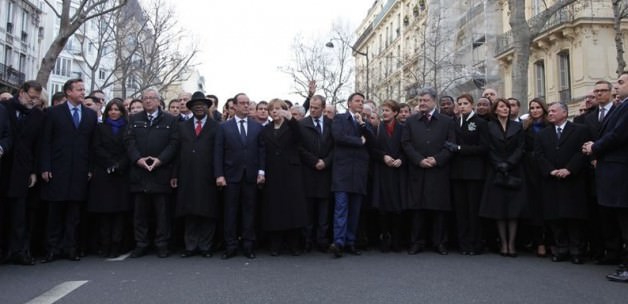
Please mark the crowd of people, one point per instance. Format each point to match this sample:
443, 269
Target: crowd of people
297, 178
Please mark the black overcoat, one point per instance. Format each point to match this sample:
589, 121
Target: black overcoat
504, 147
194, 170
469, 163
109, 192
315, 146
22, 159
160, 140
428, 188
66, 153
284, 205
562, 198
388, 182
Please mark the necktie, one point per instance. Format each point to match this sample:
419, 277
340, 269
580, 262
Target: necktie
318, 126
198, 128
242, 131
559, 131
150, 120
601, 117
75, 117
428, 117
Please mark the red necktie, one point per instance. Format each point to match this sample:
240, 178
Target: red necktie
198, 128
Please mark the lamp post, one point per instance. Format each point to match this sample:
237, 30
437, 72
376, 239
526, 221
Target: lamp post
365, 54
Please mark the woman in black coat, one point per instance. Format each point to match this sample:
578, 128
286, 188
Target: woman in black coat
109, 192
504, 196
284, 212
537, 121
388, 173
468, 171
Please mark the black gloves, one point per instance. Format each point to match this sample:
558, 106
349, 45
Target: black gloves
452, 147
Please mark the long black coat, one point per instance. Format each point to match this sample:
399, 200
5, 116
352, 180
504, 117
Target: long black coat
22, 160
315, 146
611, 152
534, 209
499, 202
160, 140
388, 182
5, 132
428, 188
469, 163
109, 192
284, 205
351, 156
562, 198
66, 153
194, 170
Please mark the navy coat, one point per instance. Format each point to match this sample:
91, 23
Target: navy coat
66, 153
315, 146
235, 160
5, 132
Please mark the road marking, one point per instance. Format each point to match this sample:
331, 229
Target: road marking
120, 258
57, 292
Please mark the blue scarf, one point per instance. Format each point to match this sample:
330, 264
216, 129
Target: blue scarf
116, 124
538, 126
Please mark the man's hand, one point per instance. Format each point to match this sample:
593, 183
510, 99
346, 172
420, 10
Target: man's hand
46, 176
261, 179
221, 181
425, 163
174, 183
397, 163
89, 176
587, 148
311, 88
32, 180
320, 165
142, 163
388, 160
432, 161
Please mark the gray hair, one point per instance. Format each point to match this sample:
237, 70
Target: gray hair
152, 89
300, 109
430, 92
562, 105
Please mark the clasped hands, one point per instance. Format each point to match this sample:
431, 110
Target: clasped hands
428, 162
391, 162
587, 148
560, 173
149, 163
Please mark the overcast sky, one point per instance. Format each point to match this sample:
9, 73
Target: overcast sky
243, 42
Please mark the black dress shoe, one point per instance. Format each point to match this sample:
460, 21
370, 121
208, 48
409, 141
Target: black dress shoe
621, 275
442, 250
274, 253
162, 252
558, 258
49, 257
352, 250
207, 253
23, 259
577, 260
228, 254
187, 253
249, 254
335, 250
73, 255
414, 249
138, 252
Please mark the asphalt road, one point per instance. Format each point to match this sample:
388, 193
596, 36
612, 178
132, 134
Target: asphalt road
316, 278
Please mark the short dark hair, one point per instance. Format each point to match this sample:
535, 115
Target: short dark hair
172, 101
610, 86
497, 102
393, 105
354, 95
57, 96
446, 97
214, 97
404, 105
467, 97
97, 91
117, 103
260, 103
429, 92
515, 99
136, 101
321, 98
68, 84
31, 84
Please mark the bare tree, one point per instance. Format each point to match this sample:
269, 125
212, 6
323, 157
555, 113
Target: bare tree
314, 60
71, 18
620, 12
523, 34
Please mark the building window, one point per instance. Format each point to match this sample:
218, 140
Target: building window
539, 70
102, 74
56, 87
564, 78
63, 67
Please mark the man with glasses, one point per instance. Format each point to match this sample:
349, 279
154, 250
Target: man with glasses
588, 105
152, 143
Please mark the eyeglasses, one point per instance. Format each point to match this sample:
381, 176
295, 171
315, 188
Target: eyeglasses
150, 98
601, 91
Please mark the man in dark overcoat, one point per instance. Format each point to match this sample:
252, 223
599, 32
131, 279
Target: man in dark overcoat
152, 141
5, 145
316, 155
423, 141
611, 171
194, 178
352, 135
65, 163
562, 165
239, 168
19, 170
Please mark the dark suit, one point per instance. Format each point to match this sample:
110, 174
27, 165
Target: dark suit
158, 139
468, 171
66, 154
18, 164
611, 153
315, 146
239, 163
428, 188
564, 199
349, 175
196, 193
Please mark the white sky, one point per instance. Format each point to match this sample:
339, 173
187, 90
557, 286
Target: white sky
243, 42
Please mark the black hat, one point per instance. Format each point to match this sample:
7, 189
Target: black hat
198, 96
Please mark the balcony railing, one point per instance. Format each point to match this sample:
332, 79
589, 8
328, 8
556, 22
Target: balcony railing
11, 76
565, 15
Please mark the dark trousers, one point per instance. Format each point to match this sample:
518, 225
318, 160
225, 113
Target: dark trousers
318, 211
346, 217
420, 221
277, 239
567, 237
144, 204
63, 220
467, 195
111, 229
19, 226
240, 196
390, 226
199, 233
622, 219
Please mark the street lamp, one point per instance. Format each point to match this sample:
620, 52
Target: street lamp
365, 54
